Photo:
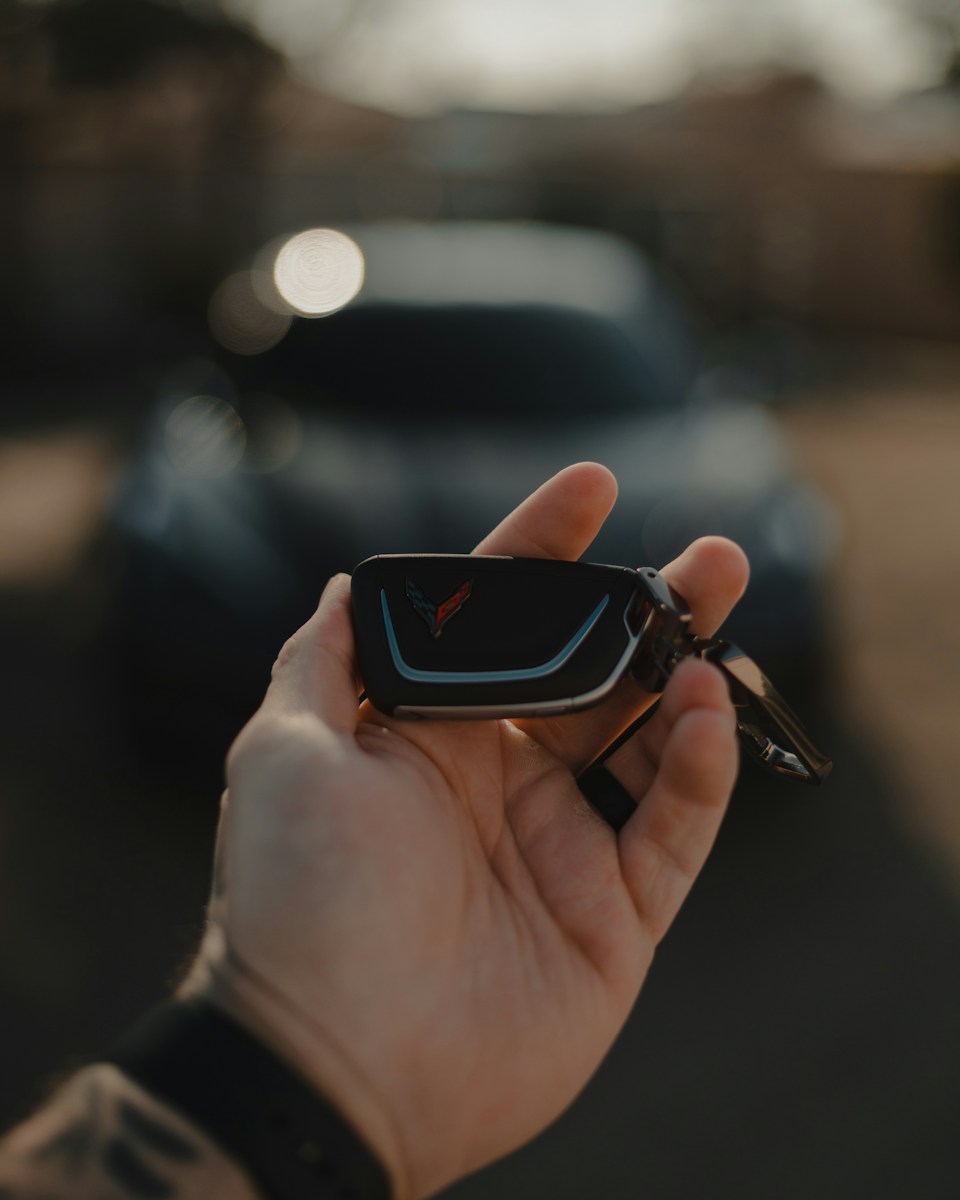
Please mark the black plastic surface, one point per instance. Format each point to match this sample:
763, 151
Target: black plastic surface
488, 630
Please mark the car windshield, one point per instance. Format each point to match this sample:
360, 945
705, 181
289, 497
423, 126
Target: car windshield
466, 361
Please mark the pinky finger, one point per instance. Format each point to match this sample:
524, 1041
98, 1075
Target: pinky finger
665, 843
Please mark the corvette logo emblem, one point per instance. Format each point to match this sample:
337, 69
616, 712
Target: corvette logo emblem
437, 615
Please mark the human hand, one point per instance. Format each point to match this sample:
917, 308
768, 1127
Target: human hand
427, 918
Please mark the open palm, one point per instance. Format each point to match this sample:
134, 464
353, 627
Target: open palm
428, 917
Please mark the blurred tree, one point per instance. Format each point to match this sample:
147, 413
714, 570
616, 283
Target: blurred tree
143, 83
311, 35
100, 43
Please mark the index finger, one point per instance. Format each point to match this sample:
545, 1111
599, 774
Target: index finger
316, 669
560, 519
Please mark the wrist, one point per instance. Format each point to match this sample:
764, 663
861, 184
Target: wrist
316, 1055
293, 1143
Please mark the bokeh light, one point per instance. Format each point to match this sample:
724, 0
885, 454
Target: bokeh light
318, 271
241, 321
205, 437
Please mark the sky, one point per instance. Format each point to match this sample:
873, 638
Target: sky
418, 56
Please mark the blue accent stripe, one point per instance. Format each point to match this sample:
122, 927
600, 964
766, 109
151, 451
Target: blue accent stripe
415, 675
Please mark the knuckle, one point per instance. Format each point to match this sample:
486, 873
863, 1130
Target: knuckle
256, 738
288, 652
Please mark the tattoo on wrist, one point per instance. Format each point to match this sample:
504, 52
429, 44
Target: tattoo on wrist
103, 1138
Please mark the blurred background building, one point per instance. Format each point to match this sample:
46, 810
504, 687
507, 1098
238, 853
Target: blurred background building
235, 280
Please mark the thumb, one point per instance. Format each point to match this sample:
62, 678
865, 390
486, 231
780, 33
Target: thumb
316, 670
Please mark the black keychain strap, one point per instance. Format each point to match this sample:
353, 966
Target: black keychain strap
768, 729
608, 796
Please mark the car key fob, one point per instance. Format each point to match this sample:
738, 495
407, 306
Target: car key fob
471, 636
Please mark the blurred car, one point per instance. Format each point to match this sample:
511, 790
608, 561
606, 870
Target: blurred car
476, 360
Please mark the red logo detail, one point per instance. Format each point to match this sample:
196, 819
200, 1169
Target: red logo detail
437, 615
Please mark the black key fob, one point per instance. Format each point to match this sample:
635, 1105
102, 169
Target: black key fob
471, 636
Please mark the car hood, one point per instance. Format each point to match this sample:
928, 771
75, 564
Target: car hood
718, 468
